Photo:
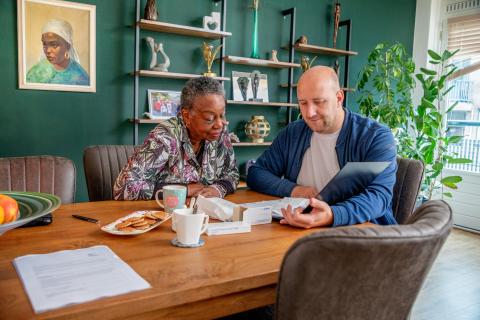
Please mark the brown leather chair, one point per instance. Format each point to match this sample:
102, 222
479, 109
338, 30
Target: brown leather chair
362, 272
405, 191
102, 164
49, 174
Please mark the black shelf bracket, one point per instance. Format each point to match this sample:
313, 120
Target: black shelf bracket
348, 25
291, 51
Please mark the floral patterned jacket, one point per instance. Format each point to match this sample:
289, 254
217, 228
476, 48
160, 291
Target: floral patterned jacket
167, 157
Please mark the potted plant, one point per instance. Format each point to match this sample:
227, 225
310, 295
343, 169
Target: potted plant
421, 133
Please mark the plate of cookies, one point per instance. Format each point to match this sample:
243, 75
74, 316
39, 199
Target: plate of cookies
137, 222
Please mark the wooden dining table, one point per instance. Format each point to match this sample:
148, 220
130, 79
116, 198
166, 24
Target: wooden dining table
229, 274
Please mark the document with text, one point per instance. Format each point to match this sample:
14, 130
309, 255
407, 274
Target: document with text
62, 278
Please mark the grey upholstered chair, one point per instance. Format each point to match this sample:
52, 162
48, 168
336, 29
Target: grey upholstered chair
102, 164
405, 191
49, 174
362, 272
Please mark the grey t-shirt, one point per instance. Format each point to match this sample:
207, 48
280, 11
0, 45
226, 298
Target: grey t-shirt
320, 162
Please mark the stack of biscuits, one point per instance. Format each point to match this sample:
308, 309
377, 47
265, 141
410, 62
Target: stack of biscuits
141, 222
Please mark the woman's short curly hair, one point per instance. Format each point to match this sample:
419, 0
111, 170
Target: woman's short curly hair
198, 87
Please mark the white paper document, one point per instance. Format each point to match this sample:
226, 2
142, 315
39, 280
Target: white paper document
277, 205
68, 277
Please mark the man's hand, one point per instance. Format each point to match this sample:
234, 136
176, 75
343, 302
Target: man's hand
320, 216
194, 189
303, 192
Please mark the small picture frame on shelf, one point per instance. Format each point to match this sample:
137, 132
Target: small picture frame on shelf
163, 104
243, 85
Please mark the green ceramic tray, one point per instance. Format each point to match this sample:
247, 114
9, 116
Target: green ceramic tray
32, 205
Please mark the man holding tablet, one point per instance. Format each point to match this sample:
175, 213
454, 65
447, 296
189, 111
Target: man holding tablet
309, 152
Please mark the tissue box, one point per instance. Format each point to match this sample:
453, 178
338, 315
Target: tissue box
258, 215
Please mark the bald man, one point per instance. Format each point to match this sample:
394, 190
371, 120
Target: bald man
309, 152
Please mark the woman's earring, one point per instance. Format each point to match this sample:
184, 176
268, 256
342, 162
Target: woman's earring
67, 56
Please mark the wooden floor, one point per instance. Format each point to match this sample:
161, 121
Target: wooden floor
452, 289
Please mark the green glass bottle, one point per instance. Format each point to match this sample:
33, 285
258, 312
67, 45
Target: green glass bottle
255, 31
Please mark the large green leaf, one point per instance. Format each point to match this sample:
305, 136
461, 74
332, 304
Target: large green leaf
451, 179
459, 161
434, 55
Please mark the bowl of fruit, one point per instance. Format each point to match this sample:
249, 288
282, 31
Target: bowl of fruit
18, 208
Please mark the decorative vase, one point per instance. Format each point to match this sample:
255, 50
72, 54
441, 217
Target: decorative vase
257, 129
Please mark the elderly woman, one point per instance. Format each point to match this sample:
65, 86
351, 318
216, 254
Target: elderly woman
193, 149
60, 63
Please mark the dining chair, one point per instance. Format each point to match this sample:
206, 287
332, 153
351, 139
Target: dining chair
372, 272
102, 164
405, 191
49, 174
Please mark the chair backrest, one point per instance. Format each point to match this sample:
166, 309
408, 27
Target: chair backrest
102, 164
49, 174
405, 191
372, 272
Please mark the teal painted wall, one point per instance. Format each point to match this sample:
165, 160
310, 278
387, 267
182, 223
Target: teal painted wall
64, 123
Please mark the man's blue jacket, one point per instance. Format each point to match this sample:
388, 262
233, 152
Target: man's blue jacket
360, 139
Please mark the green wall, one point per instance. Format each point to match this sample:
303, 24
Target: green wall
64, 123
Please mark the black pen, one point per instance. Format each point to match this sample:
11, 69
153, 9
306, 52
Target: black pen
85, 218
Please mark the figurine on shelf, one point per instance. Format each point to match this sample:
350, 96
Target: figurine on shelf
302, 40
155, 48
150, 12
233, 137
243, 83
305, 63
336, 67
336, 23
274, 56
209, 55
212, 22
255, 77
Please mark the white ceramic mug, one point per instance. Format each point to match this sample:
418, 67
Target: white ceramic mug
174, 197
189, 226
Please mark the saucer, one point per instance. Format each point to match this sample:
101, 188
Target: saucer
176, 243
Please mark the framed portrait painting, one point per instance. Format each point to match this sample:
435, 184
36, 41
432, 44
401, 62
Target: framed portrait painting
56, 45
163, 104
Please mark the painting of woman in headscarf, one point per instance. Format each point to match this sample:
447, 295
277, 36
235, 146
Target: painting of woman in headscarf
56, 47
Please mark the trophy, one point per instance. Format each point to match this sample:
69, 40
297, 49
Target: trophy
243, 86
255, 78
209, 55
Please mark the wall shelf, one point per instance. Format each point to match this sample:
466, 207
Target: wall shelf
250, 144
294, 85
323, 50
267, 104
173, 75
259, 62
182, 30
146, 120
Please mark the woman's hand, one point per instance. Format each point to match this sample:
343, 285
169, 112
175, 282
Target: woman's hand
210, 192
194, 189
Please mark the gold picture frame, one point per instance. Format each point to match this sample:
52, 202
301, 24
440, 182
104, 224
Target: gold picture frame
56, 45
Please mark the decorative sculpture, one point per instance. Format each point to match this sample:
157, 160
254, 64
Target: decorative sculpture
212, 22
150, 12
305, 63
209, 55
243, 85
302, 40
336, 67
257, 129
233, 137
255, 77
155, 48
274, 56
336, 22
255, 31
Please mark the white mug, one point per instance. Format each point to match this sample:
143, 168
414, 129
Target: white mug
189, 226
